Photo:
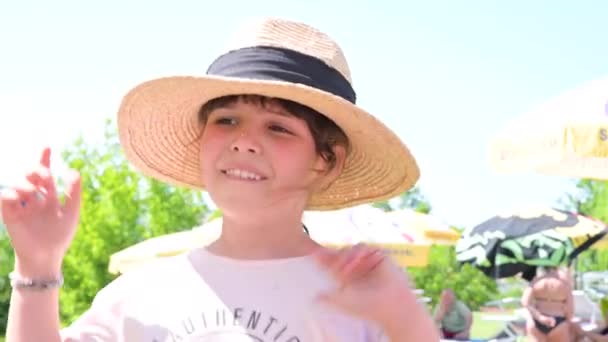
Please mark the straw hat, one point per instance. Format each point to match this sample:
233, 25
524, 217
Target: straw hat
158, 125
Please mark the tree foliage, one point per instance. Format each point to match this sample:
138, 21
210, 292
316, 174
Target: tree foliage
590, 199
412, 199
6, 265
468, 283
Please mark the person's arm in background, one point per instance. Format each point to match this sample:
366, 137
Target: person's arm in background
440, 312
527, 303
569, 306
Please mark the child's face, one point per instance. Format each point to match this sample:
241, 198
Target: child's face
256, 157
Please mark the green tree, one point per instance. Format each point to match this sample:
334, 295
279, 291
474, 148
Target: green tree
120, 207
413, 199
468, 283
6, 265
590, 199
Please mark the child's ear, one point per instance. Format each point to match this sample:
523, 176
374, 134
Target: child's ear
333, 171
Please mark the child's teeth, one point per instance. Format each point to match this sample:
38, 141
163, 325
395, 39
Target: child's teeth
243, 174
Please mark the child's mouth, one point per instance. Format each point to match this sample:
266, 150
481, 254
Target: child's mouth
243, 175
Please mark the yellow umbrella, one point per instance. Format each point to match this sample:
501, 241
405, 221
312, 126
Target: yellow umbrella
365, 224
421, 228
330, 228
164, 246
566, 136
602, 244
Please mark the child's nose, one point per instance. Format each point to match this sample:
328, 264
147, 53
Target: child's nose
245, 143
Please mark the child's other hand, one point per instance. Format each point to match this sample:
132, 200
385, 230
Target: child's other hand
371, 286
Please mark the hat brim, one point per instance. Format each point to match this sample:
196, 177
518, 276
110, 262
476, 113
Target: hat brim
158, 129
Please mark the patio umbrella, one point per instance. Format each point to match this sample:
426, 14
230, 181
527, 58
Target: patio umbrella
164, 246
421, 228
336, 229
507, 245
601, 244
565, 136
364, 223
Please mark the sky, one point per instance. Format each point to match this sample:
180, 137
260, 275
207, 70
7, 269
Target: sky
445, 75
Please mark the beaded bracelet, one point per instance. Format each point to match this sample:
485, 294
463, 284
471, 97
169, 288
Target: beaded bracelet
34, 284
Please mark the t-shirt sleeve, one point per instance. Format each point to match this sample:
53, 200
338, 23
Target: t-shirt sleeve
102, 322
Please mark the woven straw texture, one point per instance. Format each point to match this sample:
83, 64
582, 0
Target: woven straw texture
158, 127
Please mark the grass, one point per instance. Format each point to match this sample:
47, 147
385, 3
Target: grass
485, 329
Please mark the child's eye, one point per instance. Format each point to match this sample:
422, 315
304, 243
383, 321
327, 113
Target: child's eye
279, 129
225, 121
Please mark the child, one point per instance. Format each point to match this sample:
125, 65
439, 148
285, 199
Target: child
270, 131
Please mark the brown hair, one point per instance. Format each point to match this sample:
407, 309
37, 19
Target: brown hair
325, 132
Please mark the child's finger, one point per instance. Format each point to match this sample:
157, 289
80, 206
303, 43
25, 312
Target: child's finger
346, 257
341, 259
42, 179
45, 158
34, 178
353, 257
365, 262
332, 259
357, 254
31, 195
341, 262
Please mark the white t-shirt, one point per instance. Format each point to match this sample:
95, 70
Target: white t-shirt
203, 297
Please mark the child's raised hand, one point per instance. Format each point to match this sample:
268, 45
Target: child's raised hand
372, 287
369, 283
40, 227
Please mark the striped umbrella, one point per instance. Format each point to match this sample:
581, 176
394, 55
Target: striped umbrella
507, 245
